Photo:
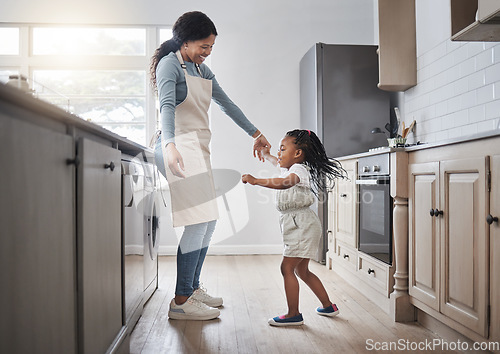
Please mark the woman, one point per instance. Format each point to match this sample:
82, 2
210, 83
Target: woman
185, 88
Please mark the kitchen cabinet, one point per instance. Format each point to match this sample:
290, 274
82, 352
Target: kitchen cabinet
424, 239
99, 245
397, 45
448, 249
37, 243
494, 228
372, 276
345, 198
60, 225
475, 20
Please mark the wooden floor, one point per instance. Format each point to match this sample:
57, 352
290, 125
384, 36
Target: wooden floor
252, 288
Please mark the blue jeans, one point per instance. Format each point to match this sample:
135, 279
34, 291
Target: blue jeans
191, 254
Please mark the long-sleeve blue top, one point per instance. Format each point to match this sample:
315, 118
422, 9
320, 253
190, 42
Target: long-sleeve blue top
172, 90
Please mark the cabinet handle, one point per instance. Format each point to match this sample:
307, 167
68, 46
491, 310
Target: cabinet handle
432, 212
343, 195
490, 219
346, 256
75, 161
370, 271
438, 212
111, 166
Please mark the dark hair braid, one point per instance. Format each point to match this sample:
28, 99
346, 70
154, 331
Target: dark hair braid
191, 26
321, 166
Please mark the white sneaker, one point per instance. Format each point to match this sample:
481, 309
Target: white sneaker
192, 310
201, 294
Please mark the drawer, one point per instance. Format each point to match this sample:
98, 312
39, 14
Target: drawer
347, 256
375, 273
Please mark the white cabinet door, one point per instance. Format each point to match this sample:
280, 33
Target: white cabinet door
464, 242
424, 233
495, 249
37, 243
345, 206
99, 245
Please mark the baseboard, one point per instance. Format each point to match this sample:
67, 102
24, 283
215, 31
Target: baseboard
134, 249
229, 250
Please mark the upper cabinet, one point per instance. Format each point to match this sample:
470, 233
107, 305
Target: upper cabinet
397, 45
475, 20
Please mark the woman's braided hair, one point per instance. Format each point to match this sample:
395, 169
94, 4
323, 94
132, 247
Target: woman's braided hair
322, 167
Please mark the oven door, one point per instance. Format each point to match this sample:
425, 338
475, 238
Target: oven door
375, 218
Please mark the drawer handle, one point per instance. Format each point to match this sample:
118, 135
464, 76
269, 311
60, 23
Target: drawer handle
370, 271
435, 212
346, 256
75, 161
343, 195
110, 165
490, 219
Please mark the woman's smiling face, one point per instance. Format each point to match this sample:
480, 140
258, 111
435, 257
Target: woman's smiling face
198, 51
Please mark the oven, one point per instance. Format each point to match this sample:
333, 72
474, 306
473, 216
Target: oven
375, 207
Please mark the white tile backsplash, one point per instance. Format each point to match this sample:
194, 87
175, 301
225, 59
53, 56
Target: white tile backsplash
458, 91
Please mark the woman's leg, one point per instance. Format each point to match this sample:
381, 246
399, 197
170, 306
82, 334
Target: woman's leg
188, 255
313, 282
291, 284
203, 253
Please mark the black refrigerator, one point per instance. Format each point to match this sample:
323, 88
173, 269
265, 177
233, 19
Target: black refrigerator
340, 101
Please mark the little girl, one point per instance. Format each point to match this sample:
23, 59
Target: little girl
303, 161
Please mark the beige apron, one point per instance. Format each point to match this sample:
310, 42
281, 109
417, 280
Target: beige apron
193, 198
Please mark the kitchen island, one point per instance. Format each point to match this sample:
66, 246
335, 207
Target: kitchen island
60, 224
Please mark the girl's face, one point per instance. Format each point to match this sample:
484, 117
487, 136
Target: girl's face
288, 154
198, 51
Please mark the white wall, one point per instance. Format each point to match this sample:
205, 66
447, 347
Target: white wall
256, 60
458, 90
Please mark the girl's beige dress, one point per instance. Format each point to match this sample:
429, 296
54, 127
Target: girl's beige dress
300, 226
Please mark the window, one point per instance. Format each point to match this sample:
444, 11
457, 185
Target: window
9, 41
100, 74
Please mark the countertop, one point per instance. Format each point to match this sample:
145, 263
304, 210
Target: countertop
422, 146
13, 98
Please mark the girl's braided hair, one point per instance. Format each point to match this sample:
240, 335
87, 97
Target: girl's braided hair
322, 167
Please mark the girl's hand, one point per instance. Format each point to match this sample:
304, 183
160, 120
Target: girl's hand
248, 179
175, 161
258, 145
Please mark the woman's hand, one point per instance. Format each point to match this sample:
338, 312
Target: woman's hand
175, 161
248, 179
259, 144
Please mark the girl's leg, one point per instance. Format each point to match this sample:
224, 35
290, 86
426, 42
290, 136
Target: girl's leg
288, 266
313, 282
203, 253
188, 256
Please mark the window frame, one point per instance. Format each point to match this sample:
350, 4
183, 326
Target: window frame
26, 63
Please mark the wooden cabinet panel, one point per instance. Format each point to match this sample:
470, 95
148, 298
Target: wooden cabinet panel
376, 275
494, 229
348, 257
464, 249
424, 234
37, 243
397, 45
346, 206
99, 246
